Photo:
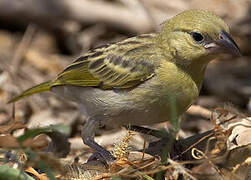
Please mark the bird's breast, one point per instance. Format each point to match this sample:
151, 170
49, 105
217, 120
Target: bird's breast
155, 100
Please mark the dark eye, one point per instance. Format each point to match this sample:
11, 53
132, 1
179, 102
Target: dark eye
198, 37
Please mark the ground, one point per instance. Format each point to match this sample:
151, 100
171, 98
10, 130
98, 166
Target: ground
38, 39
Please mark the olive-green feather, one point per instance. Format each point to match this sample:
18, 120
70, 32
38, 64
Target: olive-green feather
33, 90
112, 66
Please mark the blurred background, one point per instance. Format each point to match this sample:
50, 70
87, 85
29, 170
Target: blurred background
39, 38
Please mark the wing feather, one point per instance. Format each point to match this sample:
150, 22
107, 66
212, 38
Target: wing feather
114, 66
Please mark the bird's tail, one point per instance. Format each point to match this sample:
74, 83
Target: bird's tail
46, 86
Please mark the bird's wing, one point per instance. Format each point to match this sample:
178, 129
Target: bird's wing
113, 66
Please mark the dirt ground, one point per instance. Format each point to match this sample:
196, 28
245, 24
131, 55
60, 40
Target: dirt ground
38, 39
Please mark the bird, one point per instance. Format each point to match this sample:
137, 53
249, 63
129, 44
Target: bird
142, 80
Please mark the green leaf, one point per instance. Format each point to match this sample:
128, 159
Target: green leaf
64, 129
116, 178
32, 133
7, 173
148, 177
45, 168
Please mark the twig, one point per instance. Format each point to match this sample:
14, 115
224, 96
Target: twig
199, 111
23, 47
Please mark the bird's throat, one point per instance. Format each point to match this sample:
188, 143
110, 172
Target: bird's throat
196, 71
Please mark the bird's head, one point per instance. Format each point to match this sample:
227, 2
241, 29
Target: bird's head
197, 35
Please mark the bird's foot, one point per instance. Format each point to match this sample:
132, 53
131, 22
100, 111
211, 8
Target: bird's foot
105, 158
101, 154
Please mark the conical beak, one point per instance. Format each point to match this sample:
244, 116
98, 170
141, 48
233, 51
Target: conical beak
227, 45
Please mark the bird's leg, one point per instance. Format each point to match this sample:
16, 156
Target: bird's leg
88, 134
148, 131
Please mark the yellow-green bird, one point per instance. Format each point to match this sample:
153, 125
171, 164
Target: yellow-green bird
142, 80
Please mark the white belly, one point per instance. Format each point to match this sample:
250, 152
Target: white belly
140, 106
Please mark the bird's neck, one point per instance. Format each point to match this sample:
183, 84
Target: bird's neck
196, 72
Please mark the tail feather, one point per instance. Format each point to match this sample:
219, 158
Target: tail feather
46, 86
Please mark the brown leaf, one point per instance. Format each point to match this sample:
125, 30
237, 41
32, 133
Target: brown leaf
11, 126
9, 141
36, 174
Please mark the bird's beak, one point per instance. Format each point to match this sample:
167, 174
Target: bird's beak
225, 44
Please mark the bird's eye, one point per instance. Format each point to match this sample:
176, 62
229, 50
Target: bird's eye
198, 37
